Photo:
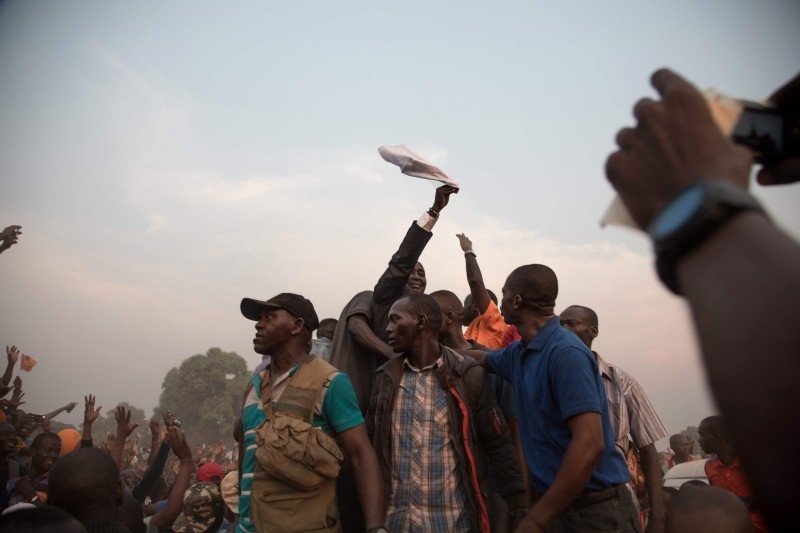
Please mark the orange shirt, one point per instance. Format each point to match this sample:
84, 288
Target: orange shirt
732, 479
488, 329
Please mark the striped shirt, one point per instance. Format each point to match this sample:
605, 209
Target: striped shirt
427, 488
629, 408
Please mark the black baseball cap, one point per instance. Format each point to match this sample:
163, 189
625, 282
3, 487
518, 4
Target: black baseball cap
294, 304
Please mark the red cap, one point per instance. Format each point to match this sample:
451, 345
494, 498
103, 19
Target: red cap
209, 470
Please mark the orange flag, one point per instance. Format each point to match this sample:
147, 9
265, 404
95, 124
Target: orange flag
27, 363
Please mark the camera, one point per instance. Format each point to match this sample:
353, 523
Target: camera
38, 419
770, 134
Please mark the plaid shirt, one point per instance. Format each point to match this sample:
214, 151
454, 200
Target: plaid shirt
629, 408
427, 489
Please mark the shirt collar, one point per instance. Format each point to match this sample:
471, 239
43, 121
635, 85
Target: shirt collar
542, 336
436, 364
605, 368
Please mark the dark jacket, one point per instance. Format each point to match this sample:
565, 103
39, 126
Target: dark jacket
479, 431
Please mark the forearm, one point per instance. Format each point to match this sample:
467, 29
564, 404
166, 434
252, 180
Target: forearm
53, 414
370, 488
475, 280
117, 449
358, 327
86, 434
576, 469
154, 471
652, 477
156, 444
172, 509
8, 373
390, 285
747, 274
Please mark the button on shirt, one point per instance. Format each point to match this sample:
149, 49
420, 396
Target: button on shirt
427, 489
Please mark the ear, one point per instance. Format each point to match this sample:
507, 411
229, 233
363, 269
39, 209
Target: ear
422, 321
594, 331
299, 324
517, 301
451, 316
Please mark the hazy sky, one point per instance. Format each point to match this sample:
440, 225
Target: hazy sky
166, 159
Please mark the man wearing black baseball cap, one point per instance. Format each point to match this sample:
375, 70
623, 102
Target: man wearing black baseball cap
292, 382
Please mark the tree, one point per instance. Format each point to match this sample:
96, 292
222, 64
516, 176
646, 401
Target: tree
205, 394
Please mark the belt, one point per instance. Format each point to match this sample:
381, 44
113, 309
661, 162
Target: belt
588, 498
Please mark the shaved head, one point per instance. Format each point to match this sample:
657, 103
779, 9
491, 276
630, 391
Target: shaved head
537, 285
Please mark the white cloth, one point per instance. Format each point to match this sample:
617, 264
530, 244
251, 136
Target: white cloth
413, 164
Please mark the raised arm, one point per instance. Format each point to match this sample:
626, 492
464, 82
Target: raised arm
474, 277
746, 266
68, 408
166, 516
390, 285
12, 353
90, 414
124, 428
9, 237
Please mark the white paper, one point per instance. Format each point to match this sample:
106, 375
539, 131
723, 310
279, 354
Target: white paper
413, 164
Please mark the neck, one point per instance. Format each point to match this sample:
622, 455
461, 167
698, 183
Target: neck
454, 339
727, 455
285, 358
425, 351
530, 325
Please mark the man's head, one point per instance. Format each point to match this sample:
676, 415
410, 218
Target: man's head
581, 321
417, 280
45, 451
326, 328
210, 472
713, 434
203, 509
86, 484
679, 444
471, 310
283, 318
40, 520
452, 310
529, 289
705, 509
8, 439
410, 318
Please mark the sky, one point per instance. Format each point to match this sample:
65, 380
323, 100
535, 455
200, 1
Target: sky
166, 159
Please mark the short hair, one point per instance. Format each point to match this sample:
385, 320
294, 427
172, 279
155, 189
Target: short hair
591, 316
492, 296
718, 426
82, 481
676, 437
38, 439
328, 322
537, 285
39, 519
424, 304
707, 509
448, 301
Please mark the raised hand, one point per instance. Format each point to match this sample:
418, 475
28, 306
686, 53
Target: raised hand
13, 355
463, 240
442, 197
124, 425
177, 441
11, 232
90, 414
70, 406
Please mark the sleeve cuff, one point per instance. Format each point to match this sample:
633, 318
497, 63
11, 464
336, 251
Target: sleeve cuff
426, 222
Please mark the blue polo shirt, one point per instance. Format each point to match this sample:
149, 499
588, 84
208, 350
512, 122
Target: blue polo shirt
556, 377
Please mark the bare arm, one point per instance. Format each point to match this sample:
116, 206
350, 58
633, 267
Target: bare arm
361, 331
366, 472
744, 275
652, 478
12, 352
474, 276
166, 516
580, 460
68, 408
124, 428
90, 414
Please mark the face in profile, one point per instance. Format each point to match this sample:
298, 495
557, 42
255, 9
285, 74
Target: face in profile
402, 327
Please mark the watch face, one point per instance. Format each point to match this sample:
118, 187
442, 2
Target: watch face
677, 212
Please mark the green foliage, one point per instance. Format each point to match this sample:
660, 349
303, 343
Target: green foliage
205, 393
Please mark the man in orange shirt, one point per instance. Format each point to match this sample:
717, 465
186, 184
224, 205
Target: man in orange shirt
725, 471
485, 324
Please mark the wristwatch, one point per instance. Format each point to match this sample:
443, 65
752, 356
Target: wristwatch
690, 218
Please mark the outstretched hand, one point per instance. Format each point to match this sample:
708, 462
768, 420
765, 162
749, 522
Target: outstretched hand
463, 240
443, 197
124, 425
675, 144
90, 414
13, 355
177, 441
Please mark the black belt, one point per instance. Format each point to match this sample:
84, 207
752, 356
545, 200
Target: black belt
588, 498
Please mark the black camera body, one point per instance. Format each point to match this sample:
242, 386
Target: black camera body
770, 134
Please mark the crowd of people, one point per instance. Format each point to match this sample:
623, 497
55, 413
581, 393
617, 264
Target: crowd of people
418, 412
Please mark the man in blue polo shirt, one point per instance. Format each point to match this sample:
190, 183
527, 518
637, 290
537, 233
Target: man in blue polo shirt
566, 432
